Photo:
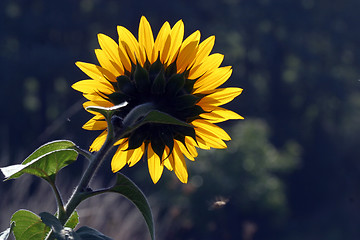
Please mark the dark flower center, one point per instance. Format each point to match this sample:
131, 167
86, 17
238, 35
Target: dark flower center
170, 92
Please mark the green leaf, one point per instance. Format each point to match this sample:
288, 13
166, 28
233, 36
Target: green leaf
45, 161
28, 225
49, 147
90, 234
73, 220
45, 166
127, 188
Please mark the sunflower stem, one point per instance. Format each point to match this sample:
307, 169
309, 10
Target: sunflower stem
61, 209
95, 162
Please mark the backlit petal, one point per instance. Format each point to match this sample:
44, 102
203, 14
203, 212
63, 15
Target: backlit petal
89, 86
136, 155
96, 72
204, 50
186, 56
98, 142
96, 123
108, 64
219, 114
146, 37
209, 64
220, 96
154, 165
205, 125
213, 80
162, 43
177, 36
119, 160
110, 48
179, 164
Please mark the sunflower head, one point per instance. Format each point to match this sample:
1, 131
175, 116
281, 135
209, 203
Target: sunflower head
171, 89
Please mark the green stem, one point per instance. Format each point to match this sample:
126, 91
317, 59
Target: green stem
99, 157
95, 163
60, 204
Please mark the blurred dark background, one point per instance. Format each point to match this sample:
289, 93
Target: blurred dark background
291, 171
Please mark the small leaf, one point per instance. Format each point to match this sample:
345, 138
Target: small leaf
156, 116
51, 221
90, 234
127, 188
73, 220
45, 166
28, 225
106, 111
60, 232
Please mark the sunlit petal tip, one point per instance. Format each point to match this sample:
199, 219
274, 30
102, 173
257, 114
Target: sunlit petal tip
118, 161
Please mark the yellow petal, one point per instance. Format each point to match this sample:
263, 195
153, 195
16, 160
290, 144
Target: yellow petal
194, 37
179, 164
190, 145
111, 50
101, 102
186, 56
162, 43
131, 45
166, 159
201, 143
204, 50
213, 80
91, 86
108, 64
121, 141
216, 130
119, 160
98, 142
218, 114
125, 60
220, 96
136, 155
96, 72
146, 37
209, 139
184, 150
167, 163
154, 164
96, 123
209, 64
177, 35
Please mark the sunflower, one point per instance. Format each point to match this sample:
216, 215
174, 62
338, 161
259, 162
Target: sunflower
180, 78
